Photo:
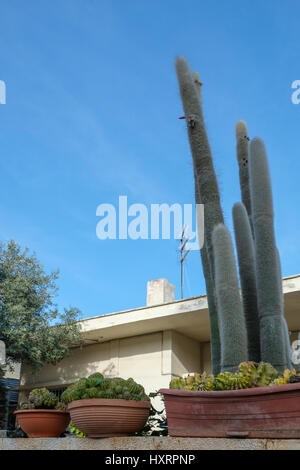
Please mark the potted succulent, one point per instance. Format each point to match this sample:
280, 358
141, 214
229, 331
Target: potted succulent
43, 415
249, 333
104, 407
255, 401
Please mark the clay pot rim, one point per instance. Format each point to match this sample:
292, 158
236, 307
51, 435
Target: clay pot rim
108, 402
232, 393
40, 410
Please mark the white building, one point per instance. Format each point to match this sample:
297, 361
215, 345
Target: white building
152, 344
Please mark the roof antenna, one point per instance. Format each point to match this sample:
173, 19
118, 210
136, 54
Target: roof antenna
183, 254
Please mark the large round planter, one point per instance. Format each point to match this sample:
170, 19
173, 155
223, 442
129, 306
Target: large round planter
43, 423
262, 412
102, 417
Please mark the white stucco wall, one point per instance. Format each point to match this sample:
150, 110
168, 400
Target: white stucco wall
151, 359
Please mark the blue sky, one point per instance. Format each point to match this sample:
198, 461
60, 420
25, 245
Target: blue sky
92, 113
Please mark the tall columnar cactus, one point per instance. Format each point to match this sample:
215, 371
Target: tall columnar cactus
261, 312
206, 186
215, 345
202, 158
246, 261
269, 297
210, 288
230, 310
242, 146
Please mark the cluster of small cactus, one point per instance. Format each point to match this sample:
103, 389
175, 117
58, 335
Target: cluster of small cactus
248, 375
251, 326
42, 399
98, 386
288, 376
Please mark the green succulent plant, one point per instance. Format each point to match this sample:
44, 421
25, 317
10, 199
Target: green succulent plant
61, 406
42, 399
98, 386
248, 375
26, 406
177, 383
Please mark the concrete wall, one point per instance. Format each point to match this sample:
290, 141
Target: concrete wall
186, 355
151, 359
155, 444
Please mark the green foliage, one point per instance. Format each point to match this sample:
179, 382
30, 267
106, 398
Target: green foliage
97, 386
30, 325
76, 431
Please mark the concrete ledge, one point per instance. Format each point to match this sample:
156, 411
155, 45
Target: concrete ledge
148, 443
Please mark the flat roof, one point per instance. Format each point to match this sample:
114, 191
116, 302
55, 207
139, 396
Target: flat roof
187, 316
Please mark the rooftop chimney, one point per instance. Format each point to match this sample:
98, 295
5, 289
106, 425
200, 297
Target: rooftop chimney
160, 291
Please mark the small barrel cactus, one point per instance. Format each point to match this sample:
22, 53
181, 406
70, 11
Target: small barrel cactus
177, 383
41, 398
248, 375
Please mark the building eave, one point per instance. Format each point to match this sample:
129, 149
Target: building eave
188, 316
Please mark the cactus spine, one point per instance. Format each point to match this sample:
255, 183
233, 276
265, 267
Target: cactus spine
230, 310
246, 261
267, 282
206, 185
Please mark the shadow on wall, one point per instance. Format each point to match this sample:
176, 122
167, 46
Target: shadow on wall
146, 357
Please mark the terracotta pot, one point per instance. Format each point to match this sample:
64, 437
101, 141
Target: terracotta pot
102, 417
43, 423
270, 412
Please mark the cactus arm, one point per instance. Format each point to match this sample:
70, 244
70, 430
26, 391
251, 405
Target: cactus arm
215, 347
246, 261
242, 145
206, 187
268, 295
202, 158
230, 310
